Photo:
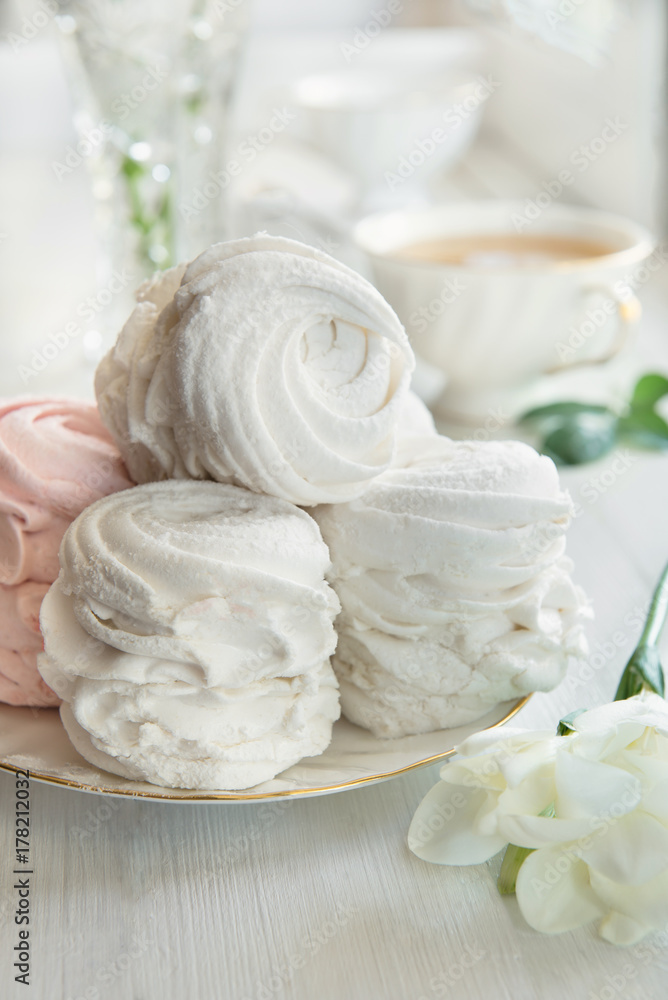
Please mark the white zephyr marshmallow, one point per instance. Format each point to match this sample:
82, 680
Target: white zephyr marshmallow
264, 363
189, 635
455, 591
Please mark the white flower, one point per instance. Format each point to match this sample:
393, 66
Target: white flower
604, 853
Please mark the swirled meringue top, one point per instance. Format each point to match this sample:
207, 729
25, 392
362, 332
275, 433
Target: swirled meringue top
56, 457
455, 591
206, 626
271, 365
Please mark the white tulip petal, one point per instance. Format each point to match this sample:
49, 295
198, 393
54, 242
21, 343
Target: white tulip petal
443, 828
541, 831
603, 746
646, 903
487, 819
513, 739
506, 764
554, 894
619, 929
479, 772
650, 744
589, 788
649, 710
655, 801
532, 796
630, 850
649, 765
517, 768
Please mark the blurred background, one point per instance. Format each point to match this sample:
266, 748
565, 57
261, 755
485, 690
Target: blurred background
133, 133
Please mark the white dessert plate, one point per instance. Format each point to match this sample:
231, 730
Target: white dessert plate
35, 740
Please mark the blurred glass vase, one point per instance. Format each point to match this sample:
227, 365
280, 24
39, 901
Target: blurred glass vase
151, 83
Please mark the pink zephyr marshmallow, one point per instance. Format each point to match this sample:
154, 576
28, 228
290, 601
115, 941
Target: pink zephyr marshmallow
56, 458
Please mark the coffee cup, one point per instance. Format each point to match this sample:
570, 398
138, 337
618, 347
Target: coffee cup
494, 300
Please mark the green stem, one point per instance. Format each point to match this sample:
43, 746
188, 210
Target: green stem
658, 612
643, 672
514, 858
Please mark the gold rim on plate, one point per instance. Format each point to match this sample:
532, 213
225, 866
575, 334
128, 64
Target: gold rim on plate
258, 796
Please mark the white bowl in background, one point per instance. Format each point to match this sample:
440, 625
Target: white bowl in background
377, 116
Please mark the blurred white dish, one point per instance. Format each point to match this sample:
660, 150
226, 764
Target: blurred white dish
403, 102
390, 130
35, 740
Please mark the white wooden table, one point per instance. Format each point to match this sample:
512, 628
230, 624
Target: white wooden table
320, 898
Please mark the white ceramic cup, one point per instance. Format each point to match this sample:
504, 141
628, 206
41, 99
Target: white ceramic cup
489, 327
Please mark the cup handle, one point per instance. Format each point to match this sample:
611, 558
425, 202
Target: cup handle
629, 311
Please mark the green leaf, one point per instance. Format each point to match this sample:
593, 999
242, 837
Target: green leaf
557, 459
565, 727
644, 429
644, 440
567, 409
643, 671
582, 438
577, 432
649, 390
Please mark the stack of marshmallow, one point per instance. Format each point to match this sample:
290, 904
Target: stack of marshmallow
55, 459
191, 628
456, 594
192, 623
189, 634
